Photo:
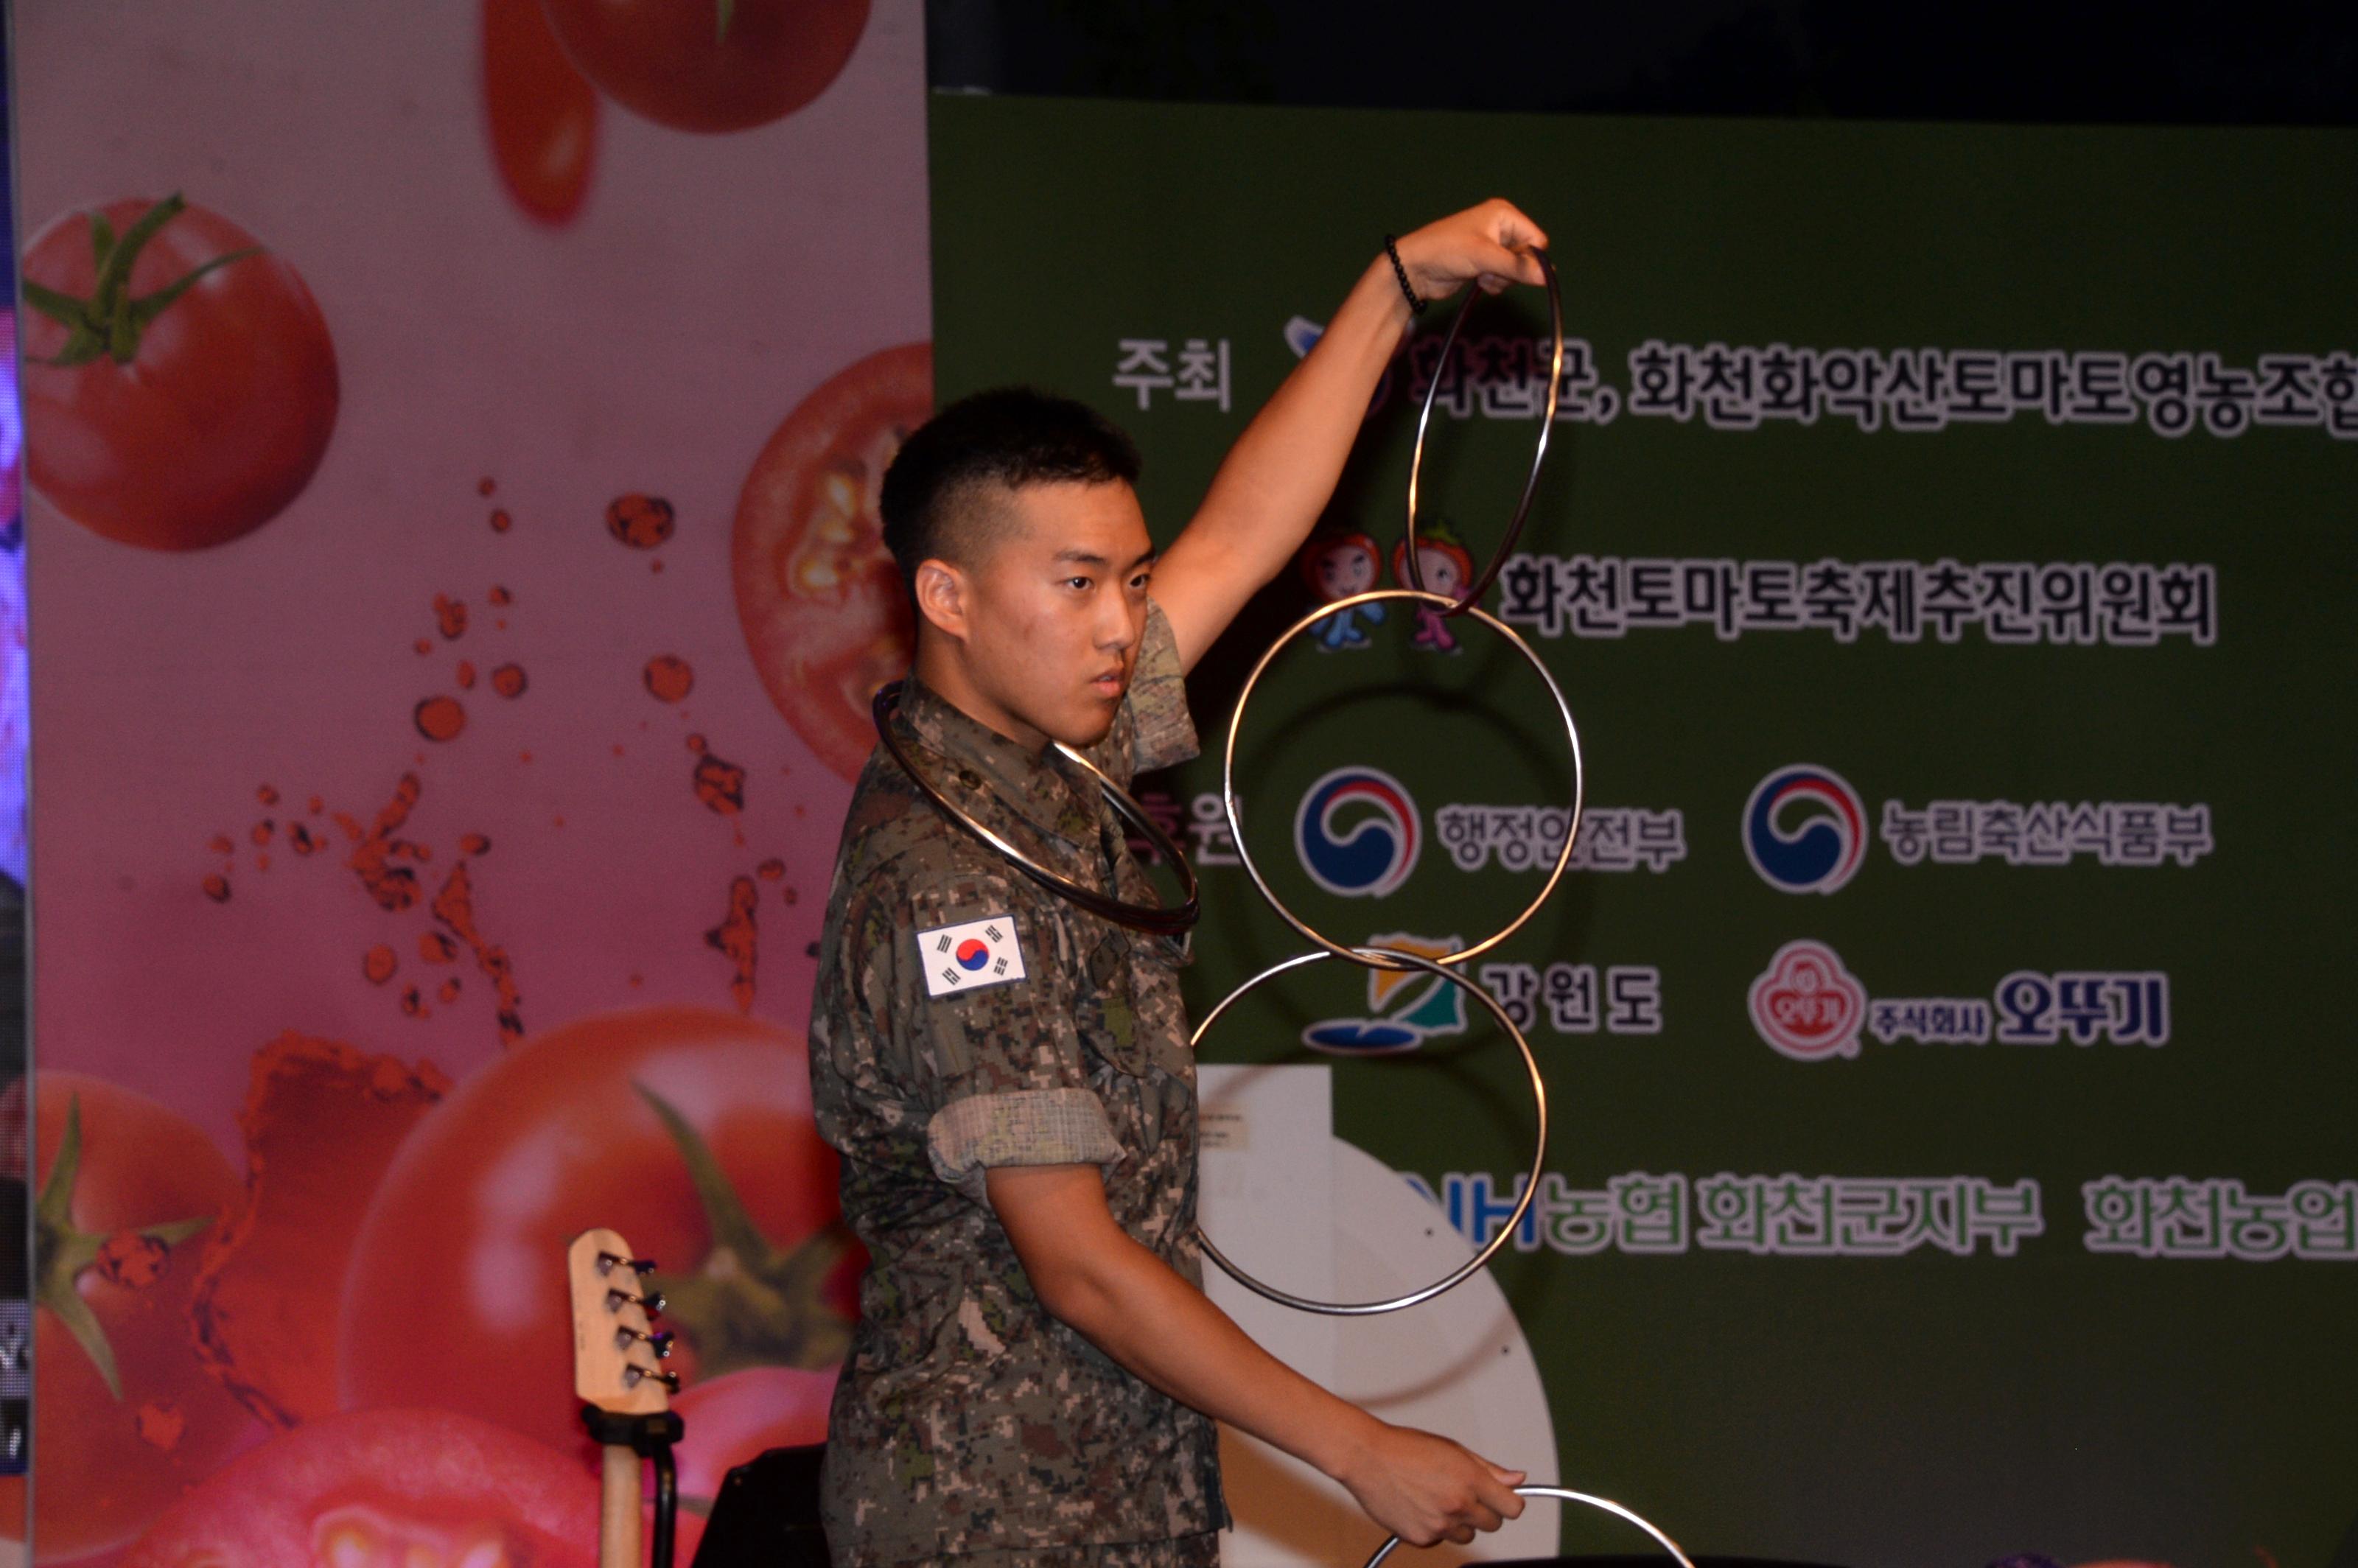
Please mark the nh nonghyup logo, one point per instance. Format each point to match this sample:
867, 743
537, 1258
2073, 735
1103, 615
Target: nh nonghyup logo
1357, 833
1805, 829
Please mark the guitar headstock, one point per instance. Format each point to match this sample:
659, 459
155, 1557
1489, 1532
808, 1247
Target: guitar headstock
617, 1350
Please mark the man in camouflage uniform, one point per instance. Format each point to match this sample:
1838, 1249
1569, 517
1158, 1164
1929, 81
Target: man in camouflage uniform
1034, 1374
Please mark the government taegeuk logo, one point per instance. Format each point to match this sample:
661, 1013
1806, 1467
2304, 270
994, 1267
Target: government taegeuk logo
1357, 832
1805, 829
1407, 1006
1807, 1005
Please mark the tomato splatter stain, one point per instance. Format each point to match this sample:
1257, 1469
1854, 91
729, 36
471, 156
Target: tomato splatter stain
695, 744
449, 992
414, 1004
524, 756
721, 786
393, 887
262, 862
160, 1425
655, 567
268, 795
454, 906
423, 646
450, 616
501, 521
217, 888
791, 896
508, 680
439, 718
378, 963
473, 844
771, 871
435, 948
669, 678
132, 1260
302, 840
222, 845
318, 806
322, 1122
262, 830
466, 674
501, 596
642, 522
486, 485
735, 939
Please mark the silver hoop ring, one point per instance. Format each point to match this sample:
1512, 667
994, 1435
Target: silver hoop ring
1161, 920
1235, 725
1481, 585
1530, 1185
1563, 1495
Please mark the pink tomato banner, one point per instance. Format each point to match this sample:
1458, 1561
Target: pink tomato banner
451, 441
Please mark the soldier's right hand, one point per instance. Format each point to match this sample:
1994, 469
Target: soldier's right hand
1426, 1489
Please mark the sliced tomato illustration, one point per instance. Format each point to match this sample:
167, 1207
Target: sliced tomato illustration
821, 602
710, 65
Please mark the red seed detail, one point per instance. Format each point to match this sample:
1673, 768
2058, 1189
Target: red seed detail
451, 615
501, 521
440, 719
642, 522
466, 674
217, 888
669, 678
508, 680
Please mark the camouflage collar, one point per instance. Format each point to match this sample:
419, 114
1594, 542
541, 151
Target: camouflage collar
990, 769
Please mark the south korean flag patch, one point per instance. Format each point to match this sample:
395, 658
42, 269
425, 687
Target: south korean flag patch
969, 957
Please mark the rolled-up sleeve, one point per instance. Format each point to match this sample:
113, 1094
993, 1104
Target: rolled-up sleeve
1003, 1066
1165, 731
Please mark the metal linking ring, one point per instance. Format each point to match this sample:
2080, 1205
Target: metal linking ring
1159, 920
1481, 585
1235, 725
1561, 1495
1531, 1186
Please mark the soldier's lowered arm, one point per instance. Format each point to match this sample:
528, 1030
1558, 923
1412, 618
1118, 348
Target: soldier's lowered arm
1127, 1302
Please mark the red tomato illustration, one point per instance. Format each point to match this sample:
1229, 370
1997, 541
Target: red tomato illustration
125, 1407
543, 113
709, 65
820, 601
687, 1130
734, 1419
180, 384
392, 1487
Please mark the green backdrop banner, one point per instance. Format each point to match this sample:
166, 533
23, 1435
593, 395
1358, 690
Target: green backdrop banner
1946, 552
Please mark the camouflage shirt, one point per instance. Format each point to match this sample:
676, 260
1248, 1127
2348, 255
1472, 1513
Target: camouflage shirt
967, 1419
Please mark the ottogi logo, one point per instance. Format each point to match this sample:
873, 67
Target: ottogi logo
1357, 833
1807, 1005
1805, 829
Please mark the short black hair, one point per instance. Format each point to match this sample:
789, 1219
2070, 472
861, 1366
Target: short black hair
1009, 436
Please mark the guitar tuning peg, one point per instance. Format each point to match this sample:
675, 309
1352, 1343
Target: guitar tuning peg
617, 1298
609, 1262
633, 1374
659, 1342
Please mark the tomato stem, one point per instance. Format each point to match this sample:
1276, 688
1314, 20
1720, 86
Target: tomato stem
723, 11
749, 1302
110, 321
62, 1251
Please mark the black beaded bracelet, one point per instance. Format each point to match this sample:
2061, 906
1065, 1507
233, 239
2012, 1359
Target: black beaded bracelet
1391, 249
